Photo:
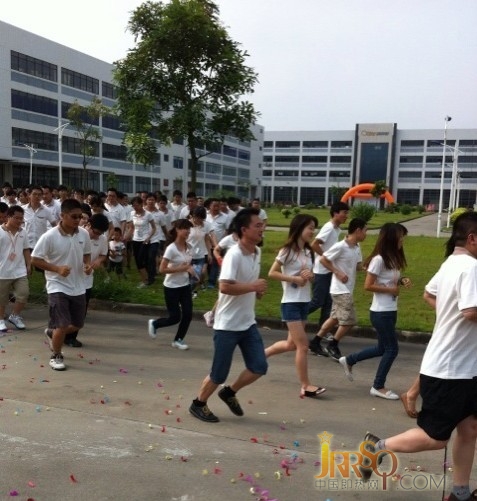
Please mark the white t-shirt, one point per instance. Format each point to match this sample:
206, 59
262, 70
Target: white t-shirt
292, 265
118, 248
451, 352
386, 278
228, 242
219, 224
159, 220
329, 235
54, 207
117, 213
345, 258
12, 262
176, 209
99, 247
196, 240
61, 249
36, 222
237, 313
176, 257
142, 225
169, 218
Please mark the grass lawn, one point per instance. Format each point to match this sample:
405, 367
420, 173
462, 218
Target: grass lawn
276, 218
424, 256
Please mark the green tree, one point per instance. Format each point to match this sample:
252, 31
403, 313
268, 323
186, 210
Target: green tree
378, 189
185, 78
85, 122
337, 192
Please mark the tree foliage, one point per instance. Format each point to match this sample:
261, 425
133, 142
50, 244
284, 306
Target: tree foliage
185, 78
85, 122
378, 189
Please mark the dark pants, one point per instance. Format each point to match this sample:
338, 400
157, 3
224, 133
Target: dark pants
179, 305
152, 250
214, 272
321, 296
387, 348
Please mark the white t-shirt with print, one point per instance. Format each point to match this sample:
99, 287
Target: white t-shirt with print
344, 257
176, 257
237, 313
329, 235
384, 277
196, 239
292, 264
12, 261
451, 352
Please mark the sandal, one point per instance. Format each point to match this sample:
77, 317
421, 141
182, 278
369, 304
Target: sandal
312, 394
412, 413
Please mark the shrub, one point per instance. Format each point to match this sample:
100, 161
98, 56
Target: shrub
296, 210
421, 209
286, 213
457, 212
363, 211
391, 208
406, 209
310, 206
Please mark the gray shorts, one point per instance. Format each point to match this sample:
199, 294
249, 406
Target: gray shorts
66, 310
343, 309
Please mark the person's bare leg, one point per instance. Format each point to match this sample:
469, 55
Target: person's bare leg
413, 440
245, 378
463, 450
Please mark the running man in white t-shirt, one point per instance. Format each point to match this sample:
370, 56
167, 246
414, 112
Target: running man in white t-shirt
343, 260
448, 374
235, 325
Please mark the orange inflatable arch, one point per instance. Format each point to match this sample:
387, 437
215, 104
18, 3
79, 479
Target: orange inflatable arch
363, 191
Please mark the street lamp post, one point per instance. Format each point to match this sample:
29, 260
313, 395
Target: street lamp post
60, 130
447, 119
32, 152
453, 202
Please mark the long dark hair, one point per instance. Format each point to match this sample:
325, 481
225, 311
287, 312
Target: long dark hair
298, 224
387, 246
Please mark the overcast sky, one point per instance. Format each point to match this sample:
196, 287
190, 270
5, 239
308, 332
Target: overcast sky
322, 64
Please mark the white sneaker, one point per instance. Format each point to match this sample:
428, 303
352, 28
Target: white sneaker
179, 344
151, 329
17, 321
3, 326
389, 395
347, 368
57, 363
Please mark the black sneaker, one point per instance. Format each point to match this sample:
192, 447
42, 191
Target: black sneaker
203, 413
453, 497
73, 343
333, 351
230, 400
316, 349
366, 472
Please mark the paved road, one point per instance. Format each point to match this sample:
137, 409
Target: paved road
115, 425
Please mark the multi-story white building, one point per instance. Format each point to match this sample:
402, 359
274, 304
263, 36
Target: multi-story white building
40, 79
303, 167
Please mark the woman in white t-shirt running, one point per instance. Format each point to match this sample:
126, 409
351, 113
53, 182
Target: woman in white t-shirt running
177, 266
294, 268
383, 279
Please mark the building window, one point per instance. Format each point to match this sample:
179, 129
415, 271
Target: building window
229, 151
166, 157
412, 143
75, 146
109, 90
313, 173
65, 107
114, 151
229, 171
32, 102
32, 66
287, 144
313, 160
211, 168
341, 144
287, 159
178, 163
315, 144
268, 144
111, 122
79, 81
40, 140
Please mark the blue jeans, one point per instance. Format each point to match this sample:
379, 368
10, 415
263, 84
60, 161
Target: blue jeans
321, 296
387, 348
179, 305
251, 345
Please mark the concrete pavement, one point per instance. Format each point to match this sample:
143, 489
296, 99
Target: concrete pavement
115, 425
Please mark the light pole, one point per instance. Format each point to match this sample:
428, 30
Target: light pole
453, 201
60, 130
32, 152
447, 119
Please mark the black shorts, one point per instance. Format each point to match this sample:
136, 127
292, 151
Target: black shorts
445, 403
